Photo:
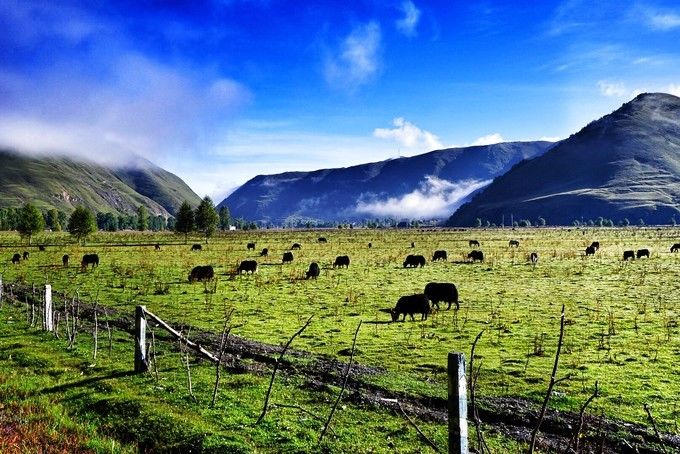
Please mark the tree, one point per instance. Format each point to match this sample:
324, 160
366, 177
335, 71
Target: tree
184, 222
53, 220
81, 224
206, 217
142, 218
31, 221
225, 218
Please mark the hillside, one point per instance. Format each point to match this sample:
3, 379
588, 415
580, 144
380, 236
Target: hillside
65, 183
625, 165
380, 189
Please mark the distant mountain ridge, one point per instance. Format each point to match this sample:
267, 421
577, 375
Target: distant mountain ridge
625, 165
350, 193
65, 182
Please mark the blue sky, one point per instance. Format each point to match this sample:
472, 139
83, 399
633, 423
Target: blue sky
219, 91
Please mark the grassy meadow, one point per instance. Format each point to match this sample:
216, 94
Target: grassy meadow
622, 328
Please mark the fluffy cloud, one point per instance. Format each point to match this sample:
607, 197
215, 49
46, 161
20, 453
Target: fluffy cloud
435, 198
489, 139
674, 89
409, 23
617, 89
664, 21
357, 60
409, 135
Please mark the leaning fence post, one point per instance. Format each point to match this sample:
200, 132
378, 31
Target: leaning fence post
48, 319
458, 430
141, 363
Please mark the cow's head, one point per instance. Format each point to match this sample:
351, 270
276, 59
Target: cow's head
394, 314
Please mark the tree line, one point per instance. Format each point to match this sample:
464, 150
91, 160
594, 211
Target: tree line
28, 220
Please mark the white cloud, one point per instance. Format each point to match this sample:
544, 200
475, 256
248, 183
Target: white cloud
435, 198
664, 22
409, 135
409, 23
674, 89
617, 89
488, 139
357, 60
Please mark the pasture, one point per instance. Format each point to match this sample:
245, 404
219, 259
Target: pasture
622, 318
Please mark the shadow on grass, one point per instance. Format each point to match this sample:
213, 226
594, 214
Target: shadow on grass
87, 382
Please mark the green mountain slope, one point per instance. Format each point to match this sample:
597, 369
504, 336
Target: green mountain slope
625, 165
64, 183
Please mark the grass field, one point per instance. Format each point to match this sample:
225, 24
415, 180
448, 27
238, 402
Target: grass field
622, 320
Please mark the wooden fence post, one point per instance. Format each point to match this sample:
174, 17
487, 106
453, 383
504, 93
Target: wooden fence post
48, 318
0, 290
458, 429
141, 362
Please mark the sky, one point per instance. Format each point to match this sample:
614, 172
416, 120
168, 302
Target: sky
219, 91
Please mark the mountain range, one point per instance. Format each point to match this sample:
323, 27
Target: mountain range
64, 183
624, 166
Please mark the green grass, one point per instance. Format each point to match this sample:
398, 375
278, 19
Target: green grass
622, 321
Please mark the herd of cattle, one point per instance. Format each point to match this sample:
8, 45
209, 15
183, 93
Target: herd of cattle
420, 303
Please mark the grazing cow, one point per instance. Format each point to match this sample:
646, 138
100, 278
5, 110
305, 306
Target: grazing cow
675, 247
473, 243
26, 254
322, 239
439, 255
595, 244
89, 259
442, 291
287, 257
196, 247
411, 304
249, 266
296, 246
413, 244
157, 246
340, 261
250, 246
628, 255
264, 253
414, 261
64, 260
642, 253
476, 256
16, 258
201, 273
370, 245
590, 250
313, 270
513, 243
533, 258
41, 247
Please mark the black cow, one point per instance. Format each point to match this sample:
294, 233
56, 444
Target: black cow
296, 246
476, 256
196, 247
65, 259
533, 258
411, 304
322, 239
157, 246
89, 259
370, 245
414, 261
264, 253
413, 244
628, 255
442, 291
201, 273
590, 250
642, 253
250, 246
41, 247
675, 247
16, 258
595, 244
513, 243
287, 257
26, 254
313, 270
249, 266
439, 255
340, 261
473, 243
